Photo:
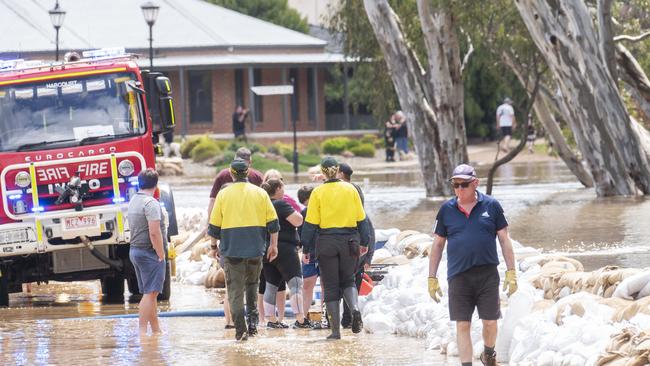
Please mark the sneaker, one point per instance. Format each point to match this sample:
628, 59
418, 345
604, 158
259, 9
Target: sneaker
282, 325
489, 360
229, 326
357, 322
274, 325
317, 325
304, 325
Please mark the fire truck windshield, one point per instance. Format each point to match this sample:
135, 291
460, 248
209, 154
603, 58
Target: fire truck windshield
69, 112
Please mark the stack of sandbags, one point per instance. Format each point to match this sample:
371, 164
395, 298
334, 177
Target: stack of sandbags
169, 166
627, 311
629, 347
191, 219
216, 276
634, 285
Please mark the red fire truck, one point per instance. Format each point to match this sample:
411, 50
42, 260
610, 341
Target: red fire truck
73, 138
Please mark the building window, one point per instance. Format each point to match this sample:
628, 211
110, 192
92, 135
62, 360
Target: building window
311, 95
259, 102
239, 87
295, 110
200, 92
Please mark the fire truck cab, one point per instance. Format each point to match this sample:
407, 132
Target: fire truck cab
73, 138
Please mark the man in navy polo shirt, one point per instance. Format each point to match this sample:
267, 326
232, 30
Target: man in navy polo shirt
470, 222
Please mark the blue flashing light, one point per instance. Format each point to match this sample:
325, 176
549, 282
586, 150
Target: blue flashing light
134, 183
118, 200
15, 196
38, 209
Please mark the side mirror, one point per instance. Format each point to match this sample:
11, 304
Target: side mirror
166, 104
159, 100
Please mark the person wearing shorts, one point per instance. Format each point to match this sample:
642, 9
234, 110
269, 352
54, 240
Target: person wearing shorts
506, 122
310, 271
146, 251
470, 223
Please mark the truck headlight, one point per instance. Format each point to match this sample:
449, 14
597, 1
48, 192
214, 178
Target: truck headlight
23, 179
125, 168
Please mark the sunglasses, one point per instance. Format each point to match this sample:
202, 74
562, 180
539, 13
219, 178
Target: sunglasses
463, 185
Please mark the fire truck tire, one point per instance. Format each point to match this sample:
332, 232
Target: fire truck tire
167, 285
167, 198
4, 292
113, 289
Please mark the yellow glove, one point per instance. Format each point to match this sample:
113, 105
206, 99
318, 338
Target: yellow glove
510, 283
434, 289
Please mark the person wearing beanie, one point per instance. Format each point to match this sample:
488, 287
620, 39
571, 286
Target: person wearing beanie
335, 212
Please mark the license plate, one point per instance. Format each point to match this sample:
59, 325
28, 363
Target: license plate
80, 222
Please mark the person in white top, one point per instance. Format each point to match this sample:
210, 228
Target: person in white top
506, 123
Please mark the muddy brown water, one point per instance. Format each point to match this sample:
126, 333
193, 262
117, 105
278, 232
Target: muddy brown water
546, 207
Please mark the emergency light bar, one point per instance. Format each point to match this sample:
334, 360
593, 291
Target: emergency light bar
20, 63
104, 52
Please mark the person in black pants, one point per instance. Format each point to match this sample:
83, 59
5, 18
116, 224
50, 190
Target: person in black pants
345, 174
389, 138
336, 214
286, 266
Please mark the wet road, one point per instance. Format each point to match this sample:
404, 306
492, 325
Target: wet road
545, 205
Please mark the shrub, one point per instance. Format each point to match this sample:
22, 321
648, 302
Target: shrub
204, 150
313, 149
352, 144
189, 144
225, 158
308, 159
335, 145
372, 139
281, 149
364, 150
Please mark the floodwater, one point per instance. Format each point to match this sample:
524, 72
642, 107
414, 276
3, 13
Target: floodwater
546, 208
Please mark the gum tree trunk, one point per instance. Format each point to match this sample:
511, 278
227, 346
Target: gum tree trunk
432, 99
608, 139
541, 108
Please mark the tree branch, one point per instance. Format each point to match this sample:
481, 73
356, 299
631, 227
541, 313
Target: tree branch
468, 54
625, 37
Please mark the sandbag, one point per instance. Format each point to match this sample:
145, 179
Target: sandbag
631, 287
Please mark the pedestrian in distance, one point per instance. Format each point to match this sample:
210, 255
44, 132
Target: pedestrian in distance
241, 219
147, 249
506, 123
530, 134
285, 268
345, 174
389, 138
336, 214
401, 135
469, 224
239, 123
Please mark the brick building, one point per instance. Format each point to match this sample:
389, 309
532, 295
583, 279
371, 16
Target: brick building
212, 55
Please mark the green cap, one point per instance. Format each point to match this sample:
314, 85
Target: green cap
329, 162
239, 165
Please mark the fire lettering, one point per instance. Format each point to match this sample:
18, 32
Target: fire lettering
54, 173
93, 169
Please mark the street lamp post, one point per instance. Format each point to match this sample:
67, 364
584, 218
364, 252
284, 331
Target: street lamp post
57, 15
294, 117
150, 12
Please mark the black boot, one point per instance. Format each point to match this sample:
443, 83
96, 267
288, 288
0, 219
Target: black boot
350, 295
334, 315
252, 324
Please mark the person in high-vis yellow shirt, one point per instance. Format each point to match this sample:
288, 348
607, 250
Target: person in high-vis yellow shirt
241, 219
337, 223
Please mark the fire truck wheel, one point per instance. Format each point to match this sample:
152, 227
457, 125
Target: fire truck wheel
4, 292
113, 289
167, 285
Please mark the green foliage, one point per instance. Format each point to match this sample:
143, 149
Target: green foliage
225, 158
279, 148
363, 150
372, 139
308, 160
352, 144
274, 11
263, 164
204, 150
189, 144
335, 145
313, 149
252, 146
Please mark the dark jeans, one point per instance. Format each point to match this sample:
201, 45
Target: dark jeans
242, 277
338, 256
